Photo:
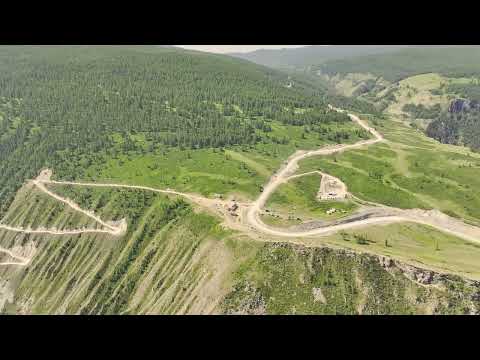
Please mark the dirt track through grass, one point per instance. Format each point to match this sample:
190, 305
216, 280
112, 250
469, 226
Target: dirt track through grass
252, 219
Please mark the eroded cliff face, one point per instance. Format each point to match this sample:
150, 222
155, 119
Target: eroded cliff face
300, 280
174, 260
447, 290
460, 125
459, 105
171, 259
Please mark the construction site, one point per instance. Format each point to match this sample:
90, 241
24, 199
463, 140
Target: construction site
331, 188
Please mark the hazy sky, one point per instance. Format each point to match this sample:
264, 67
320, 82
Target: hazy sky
235, 48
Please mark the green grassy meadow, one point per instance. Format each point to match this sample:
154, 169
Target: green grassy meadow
408, 171
298, 199
412, 243
239, 170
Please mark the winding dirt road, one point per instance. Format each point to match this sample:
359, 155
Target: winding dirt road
21, 261
112, 229
286, 173
431, 218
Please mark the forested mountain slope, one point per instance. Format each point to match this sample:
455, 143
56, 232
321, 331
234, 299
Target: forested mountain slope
421, 84
457, 128
71, 107
457, 122
124, 126
455, 61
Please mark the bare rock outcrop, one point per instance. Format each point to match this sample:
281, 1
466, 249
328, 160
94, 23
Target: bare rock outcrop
459, 105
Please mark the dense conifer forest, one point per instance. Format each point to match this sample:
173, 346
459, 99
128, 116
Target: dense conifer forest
462, 128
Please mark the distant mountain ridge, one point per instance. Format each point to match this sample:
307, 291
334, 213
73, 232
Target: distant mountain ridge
312, 55
453, 60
